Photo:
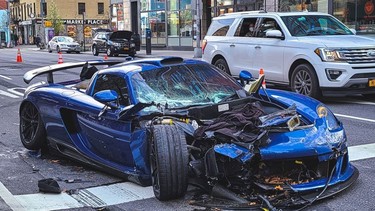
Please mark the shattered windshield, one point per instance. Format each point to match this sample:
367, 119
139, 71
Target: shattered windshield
314, 25
183, 85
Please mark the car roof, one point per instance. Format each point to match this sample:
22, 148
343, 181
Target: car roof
263, 13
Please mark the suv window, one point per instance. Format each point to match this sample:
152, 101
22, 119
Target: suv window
265, 25
220, 27
246, 28
314, 25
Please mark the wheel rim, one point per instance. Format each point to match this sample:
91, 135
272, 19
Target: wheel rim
221, 66
108, 51
94, 50
29, 123
154, 169
303, 83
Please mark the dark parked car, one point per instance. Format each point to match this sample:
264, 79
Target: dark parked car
162, 121
114, 43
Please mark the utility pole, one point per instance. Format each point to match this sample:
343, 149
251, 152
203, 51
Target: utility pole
197, 18
43, 40
83, 30
8, 25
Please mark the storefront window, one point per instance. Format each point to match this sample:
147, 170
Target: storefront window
186, 23
359, 15
224, 2
155, 21
173, 4
147, 5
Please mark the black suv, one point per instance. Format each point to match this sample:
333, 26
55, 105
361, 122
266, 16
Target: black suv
114, 43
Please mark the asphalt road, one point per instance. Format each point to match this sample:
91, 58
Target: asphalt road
21, 169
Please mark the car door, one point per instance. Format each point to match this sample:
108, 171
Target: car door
53, 43
241, 49
268, 52
106, 138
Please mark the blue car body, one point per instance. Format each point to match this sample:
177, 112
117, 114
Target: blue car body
116, 138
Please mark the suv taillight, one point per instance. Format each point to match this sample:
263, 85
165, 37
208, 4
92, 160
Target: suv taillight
204, 43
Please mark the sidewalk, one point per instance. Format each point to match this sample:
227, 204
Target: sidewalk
140, 54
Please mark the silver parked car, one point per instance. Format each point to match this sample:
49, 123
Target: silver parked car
63, 43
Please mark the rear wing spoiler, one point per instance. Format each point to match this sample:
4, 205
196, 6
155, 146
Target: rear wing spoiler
30, 75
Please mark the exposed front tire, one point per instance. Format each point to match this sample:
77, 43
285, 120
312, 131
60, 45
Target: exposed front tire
49, 49
109, 52
169, 162
95, 51
222, 65
304, 81
32, 132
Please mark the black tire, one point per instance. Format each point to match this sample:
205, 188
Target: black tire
169, 162
304, 81
109, 52
116, 54
78, 52
369, 96
95, 51
132, 54
222, 65
32, 133
49, 49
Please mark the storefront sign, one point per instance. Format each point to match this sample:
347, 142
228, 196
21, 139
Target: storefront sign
23, 23
87, 21
369, 7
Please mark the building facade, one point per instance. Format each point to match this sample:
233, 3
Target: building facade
80, 18
173, 23
4, 25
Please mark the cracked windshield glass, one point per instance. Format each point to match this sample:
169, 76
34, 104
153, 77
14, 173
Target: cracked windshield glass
184, 86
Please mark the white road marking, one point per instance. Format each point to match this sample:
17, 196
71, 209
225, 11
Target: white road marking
9, 199
16, 91
44, 202
354, 117
7, 94
361, 152
356, 102
3, 76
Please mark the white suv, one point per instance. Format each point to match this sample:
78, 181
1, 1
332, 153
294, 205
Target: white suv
311, 52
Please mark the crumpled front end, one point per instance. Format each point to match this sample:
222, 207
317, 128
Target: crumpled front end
279, 162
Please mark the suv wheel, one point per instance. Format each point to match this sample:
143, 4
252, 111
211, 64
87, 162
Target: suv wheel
222, 65
109, 51
304, 81
95, 51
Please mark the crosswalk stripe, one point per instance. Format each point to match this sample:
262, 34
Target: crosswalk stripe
354, 117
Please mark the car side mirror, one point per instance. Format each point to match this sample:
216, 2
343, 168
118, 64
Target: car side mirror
245, 76
275, 34
106, 96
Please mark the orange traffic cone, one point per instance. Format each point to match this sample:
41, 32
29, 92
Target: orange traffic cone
19, 57
60, 60
261, 72
105, 57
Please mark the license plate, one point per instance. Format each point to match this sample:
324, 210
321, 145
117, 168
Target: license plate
126, 49
371, 83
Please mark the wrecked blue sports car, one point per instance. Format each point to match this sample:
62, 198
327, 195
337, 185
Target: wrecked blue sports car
169, 122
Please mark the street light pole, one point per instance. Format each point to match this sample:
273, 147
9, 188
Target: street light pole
198, 49
8, 23
43, 40
83, 30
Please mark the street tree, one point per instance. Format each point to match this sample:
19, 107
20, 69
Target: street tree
55, 19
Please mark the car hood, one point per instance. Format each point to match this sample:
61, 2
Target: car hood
118, 35
69, 43
340, 41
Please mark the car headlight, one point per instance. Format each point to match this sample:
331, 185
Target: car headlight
116, 44
331, 120
328, 55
